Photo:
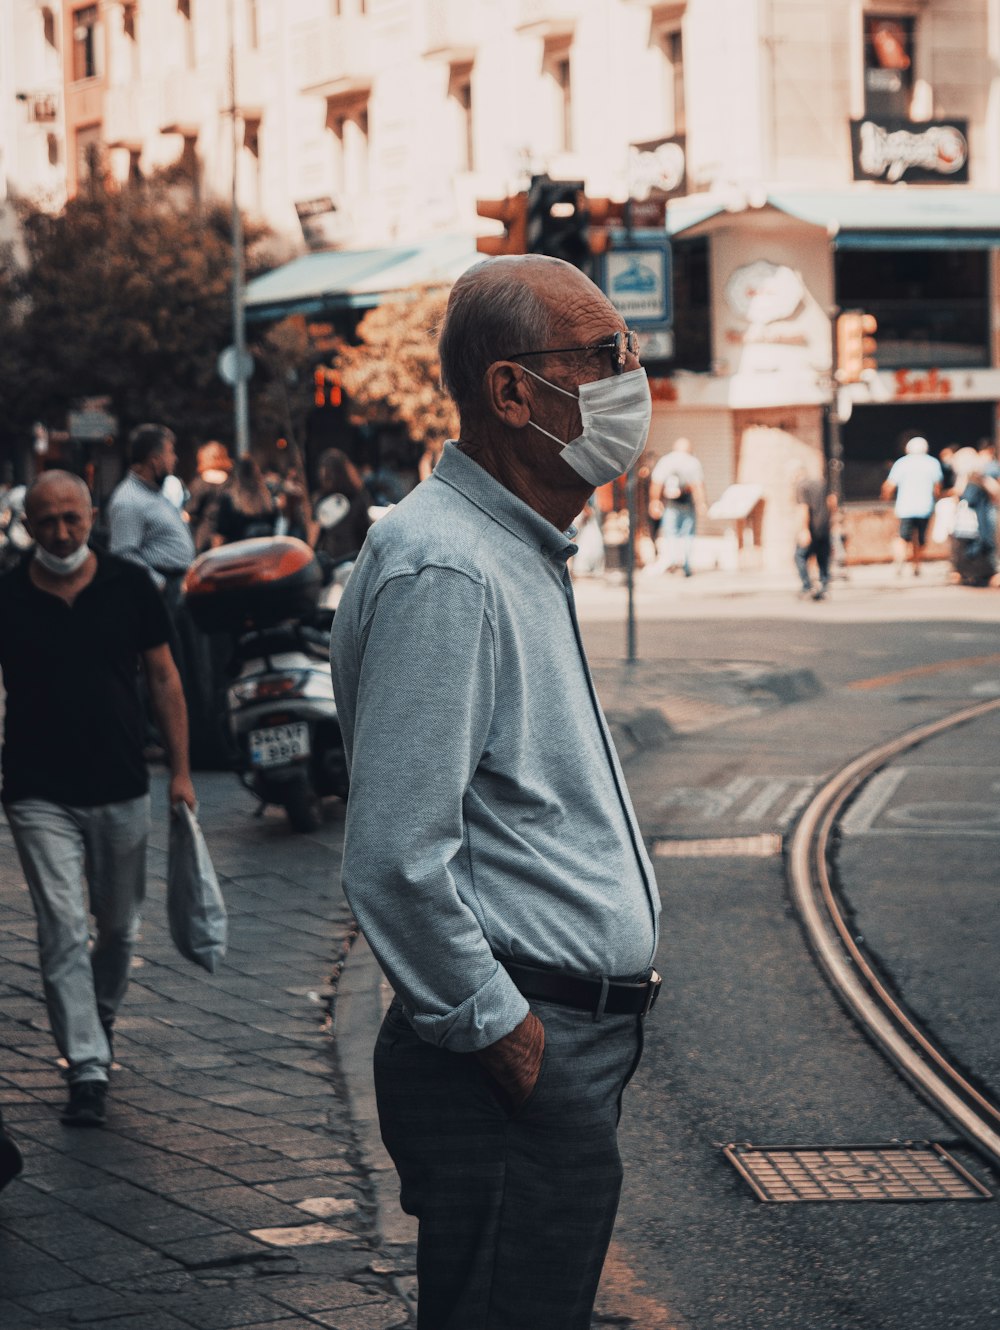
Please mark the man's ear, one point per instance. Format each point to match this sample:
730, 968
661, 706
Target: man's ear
506, 394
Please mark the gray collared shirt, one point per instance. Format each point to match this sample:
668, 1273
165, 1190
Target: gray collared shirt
147, 529
488, 813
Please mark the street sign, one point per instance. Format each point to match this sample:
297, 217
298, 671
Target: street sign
231, 367
91, 422
636, 279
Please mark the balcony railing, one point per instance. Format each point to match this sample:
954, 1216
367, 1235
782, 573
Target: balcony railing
334, 56
188, 102
450, 29
125, 115
548, 15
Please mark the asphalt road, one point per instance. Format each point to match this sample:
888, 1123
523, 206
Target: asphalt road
759, 699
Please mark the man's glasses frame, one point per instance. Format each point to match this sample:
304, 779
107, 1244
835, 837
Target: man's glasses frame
621, 345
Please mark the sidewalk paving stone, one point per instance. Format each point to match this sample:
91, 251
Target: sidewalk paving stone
228, 1128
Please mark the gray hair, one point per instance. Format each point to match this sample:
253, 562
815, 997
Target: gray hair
492, 313
50, 478
916, 445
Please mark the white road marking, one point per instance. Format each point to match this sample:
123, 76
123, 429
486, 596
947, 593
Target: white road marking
872, 799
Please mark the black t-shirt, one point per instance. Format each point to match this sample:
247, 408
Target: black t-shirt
813, 494
74, 722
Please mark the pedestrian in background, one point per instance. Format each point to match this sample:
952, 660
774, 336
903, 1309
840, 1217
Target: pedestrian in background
144, 526
247, 509
816, 509
492, 856
77, 624
676, 497
214, 467
915, 479
340, 507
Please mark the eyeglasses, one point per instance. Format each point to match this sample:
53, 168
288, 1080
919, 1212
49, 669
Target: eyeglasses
621, 345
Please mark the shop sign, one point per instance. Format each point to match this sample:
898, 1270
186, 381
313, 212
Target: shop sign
935, 151
658, 167
636, 279
929, 385
323, 223
764, 292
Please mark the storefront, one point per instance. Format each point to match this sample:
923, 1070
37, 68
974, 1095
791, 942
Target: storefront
921, 259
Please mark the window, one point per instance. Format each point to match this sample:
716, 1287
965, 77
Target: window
187, 33
251, 146
932, 305
253, 22
889, 56
692, 305
460, 91
557, 66
671, 45
49, 27
130, 26
349, 127
89, 163
85, 42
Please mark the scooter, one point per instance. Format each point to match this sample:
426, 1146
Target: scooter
283, 718
281, 715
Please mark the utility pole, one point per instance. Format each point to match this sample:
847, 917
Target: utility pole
241, 423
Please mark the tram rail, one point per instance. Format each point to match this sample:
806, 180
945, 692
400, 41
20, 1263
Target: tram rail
860, 987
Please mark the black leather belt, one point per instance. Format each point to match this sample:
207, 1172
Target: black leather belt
595, 995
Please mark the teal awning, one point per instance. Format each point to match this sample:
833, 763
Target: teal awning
867, 217
322, 283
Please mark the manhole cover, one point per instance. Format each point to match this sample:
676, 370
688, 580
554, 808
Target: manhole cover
899, 1171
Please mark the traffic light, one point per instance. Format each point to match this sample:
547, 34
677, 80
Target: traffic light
513, 212
558, 220
327, 386
856, 345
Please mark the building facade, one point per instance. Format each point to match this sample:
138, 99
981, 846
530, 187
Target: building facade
814, 155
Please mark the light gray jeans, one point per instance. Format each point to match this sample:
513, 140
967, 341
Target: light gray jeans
59, 848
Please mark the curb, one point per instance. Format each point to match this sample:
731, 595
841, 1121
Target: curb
363, 994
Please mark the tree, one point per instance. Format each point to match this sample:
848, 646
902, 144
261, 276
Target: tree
124, 294
393, 375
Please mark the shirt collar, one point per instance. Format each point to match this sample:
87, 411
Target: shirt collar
497, 502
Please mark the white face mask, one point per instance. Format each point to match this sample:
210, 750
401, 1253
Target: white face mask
615, 414
62, 567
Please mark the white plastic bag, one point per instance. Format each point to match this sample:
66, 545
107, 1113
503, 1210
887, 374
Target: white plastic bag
196, 911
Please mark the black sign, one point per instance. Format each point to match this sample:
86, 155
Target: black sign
929, 151
658, 168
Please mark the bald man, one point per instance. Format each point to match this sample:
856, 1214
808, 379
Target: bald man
77, 625
492, 854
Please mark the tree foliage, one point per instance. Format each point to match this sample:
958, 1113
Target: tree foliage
126, 294
393, 375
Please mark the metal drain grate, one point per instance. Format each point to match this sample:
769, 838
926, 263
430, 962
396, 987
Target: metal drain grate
898, 1171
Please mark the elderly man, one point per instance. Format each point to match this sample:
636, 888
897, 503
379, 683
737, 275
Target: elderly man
76, 625
915, 479
492, 855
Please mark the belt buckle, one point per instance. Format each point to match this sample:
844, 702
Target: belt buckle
652, 993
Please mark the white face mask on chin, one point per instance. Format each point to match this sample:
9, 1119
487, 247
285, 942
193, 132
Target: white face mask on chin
62, 567
615, 414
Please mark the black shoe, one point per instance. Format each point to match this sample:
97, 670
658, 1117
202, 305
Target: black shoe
11, 1162
86, 1105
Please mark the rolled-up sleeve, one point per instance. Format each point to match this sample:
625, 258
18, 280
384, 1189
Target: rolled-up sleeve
424, 708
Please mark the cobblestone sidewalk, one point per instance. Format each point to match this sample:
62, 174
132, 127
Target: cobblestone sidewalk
227, 1189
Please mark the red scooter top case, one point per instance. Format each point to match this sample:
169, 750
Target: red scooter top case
252, 584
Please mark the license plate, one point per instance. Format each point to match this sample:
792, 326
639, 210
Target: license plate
279, 744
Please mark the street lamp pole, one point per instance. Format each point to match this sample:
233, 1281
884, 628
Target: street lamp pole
241, 424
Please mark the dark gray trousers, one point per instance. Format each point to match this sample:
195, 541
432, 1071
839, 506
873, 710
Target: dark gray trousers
515, 1209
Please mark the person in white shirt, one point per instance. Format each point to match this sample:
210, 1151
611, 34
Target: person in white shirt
915, 480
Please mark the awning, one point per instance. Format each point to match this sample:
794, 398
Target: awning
900, 217
322, 283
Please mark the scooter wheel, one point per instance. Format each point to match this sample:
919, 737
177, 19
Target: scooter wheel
304, 809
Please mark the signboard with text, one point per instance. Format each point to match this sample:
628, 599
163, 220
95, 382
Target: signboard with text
928, 152
636, 279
